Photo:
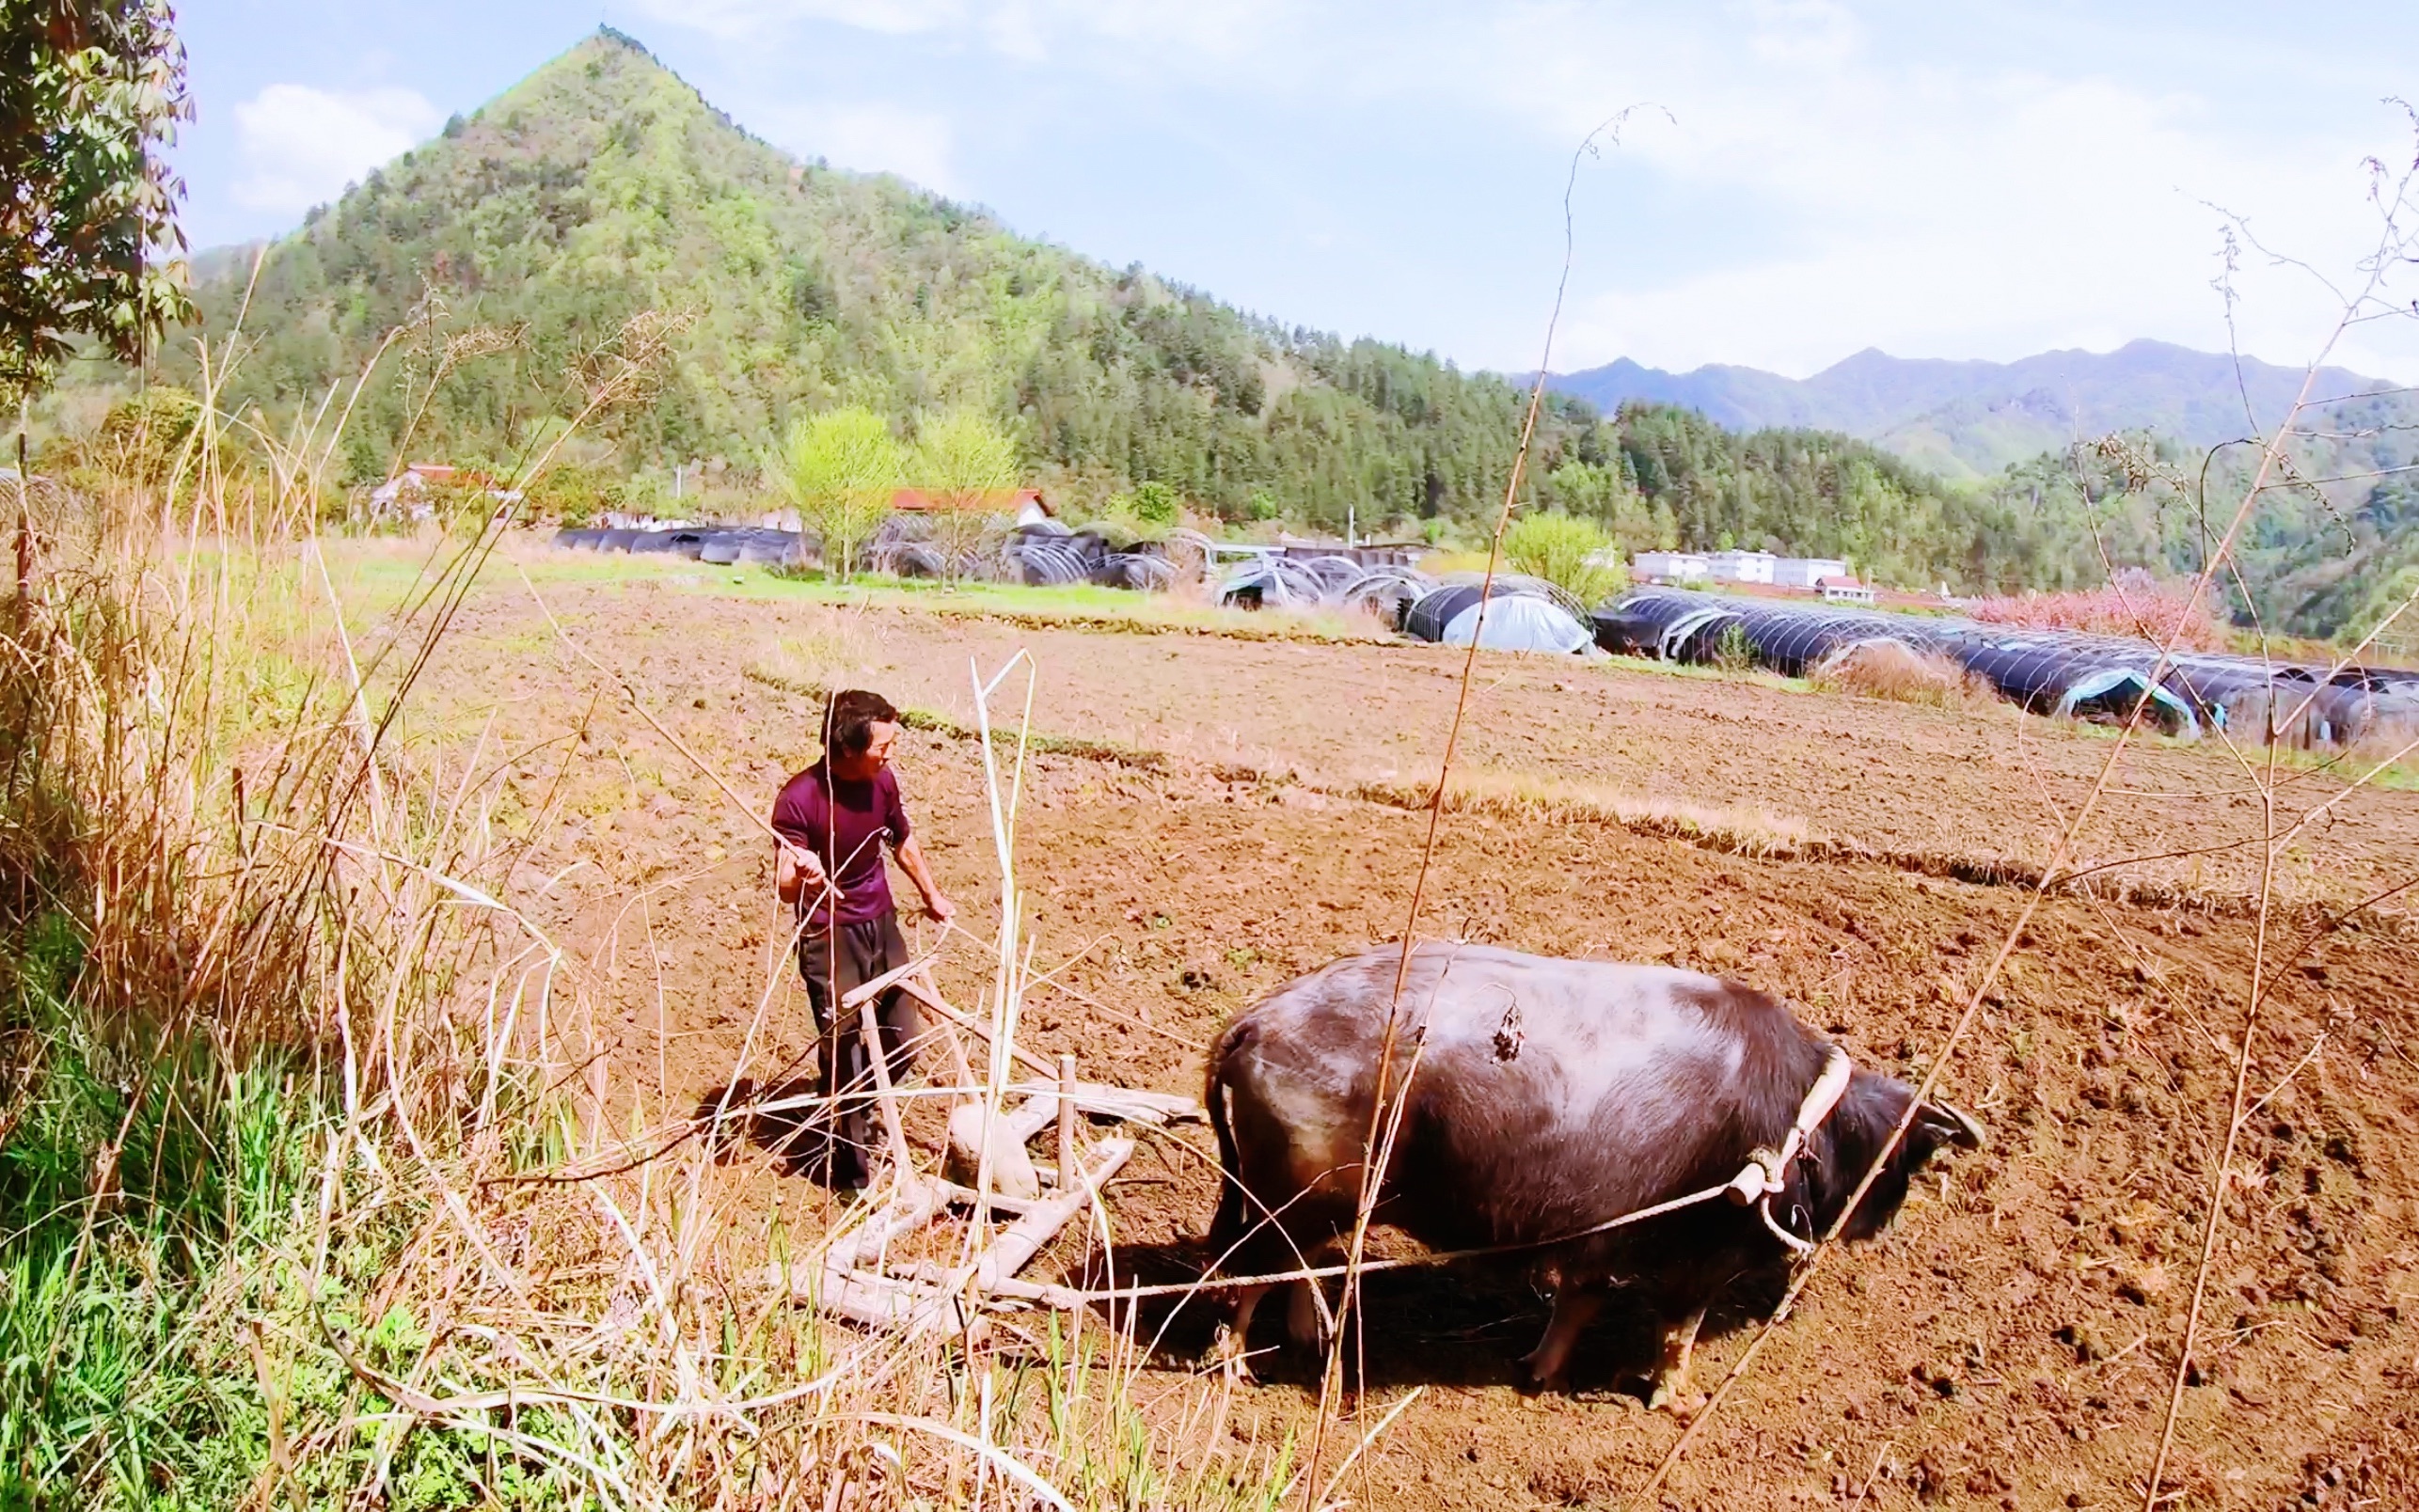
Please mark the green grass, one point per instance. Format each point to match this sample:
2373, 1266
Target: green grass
1698, 673
113, 1393
153, 1305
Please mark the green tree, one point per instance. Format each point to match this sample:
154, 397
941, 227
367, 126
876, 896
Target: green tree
1155, 503
1604, 492
89, 91
840, 469
962, 462
1567, 551
140, 440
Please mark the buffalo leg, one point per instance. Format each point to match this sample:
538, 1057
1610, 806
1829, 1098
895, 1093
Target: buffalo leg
1306, 1315
1232, 1347
1671, 1371
1549, 1363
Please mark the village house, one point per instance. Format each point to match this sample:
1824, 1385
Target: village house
1671, 567
1806, 572
1741, 566
1026, 506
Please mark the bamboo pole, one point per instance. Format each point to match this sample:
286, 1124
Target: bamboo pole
1066, 1121
902, 1174
933, 999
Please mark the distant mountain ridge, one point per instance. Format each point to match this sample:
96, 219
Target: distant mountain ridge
1971, 419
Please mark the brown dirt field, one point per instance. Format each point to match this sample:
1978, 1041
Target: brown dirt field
2009, 1344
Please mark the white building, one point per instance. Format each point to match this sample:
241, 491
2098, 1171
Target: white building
1671, 567
1846, 591
1805, 571
1741, 566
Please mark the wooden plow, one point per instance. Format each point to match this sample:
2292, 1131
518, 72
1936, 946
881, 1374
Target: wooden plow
861, 1277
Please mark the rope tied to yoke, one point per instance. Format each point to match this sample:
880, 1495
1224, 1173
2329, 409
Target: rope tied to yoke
1764, 1175
1767, 1171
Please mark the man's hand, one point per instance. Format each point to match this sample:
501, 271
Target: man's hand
937, 906
794, 870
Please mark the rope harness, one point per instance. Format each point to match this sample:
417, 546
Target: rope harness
1767, 1171
1765, 1174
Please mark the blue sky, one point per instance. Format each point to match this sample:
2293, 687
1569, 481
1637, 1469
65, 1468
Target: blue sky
1938, 179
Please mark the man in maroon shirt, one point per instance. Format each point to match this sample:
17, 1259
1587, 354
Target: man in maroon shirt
834, 819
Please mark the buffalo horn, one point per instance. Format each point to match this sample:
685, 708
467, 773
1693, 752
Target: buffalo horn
1968, 1131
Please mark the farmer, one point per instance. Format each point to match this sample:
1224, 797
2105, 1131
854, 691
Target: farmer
833, 820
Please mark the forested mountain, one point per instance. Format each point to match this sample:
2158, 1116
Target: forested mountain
2046, 523
1970, 420
602, 185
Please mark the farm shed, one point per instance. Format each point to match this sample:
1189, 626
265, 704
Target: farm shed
1292, 579
2049, 672
1270, 581
1436, 616
1025, 506
1519, 623
2052, 675
1389, 592
1787, 637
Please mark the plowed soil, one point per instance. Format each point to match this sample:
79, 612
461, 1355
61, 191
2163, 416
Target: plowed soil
2009, 1344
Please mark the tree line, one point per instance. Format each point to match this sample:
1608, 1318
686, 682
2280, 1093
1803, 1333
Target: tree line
493, 263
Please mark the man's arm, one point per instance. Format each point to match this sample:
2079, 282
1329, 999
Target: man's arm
936, 903
796, 869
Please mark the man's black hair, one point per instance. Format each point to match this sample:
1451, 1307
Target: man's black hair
848, 720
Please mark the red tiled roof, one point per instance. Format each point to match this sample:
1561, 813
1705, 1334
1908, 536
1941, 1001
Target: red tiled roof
992, 501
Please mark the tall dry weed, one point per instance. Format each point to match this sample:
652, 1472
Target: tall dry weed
1888, 670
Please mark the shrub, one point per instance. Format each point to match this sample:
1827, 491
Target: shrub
1732, 650
960, 460
1573, 554
568, 494
1155, 503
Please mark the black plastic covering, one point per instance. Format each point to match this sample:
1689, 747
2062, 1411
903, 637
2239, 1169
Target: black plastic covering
1425, 616
2050, 672
1680, 625
1428, 615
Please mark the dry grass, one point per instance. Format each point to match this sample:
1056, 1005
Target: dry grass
1516, 794
1887, 669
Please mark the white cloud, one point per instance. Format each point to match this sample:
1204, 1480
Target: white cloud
1957, 181
1961, 204
1024, 29
877, 138
743, 19
301, 145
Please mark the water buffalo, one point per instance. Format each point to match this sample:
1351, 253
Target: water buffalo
1545, 1097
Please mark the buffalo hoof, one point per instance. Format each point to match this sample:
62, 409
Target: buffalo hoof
1683, 1406
1538, 1383
1227, 1352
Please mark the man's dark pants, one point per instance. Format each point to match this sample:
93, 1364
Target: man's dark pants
835, 960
